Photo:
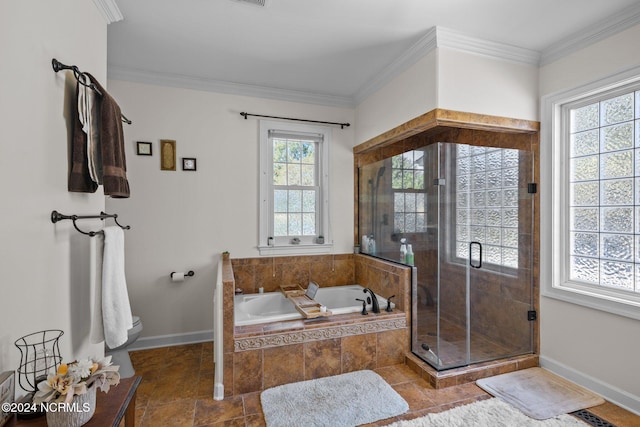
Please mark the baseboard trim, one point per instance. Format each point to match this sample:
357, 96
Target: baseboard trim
146, 343
611, 393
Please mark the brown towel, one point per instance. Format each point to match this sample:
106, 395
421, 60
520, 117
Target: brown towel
79, 178
114, 162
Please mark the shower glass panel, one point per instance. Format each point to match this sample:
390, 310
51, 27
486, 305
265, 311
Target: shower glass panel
467, 213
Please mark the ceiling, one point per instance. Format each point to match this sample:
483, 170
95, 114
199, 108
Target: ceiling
329, 48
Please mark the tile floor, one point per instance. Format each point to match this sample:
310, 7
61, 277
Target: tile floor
177, 388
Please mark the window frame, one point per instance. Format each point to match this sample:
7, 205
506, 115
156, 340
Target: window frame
307, 245
404, 192
555, 194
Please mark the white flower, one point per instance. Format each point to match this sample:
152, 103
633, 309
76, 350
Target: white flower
81, 368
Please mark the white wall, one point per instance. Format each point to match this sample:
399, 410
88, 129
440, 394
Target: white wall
183, 220
590, 346
479, 84
455, 80
410, 94
44, 266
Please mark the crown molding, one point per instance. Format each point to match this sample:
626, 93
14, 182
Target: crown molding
466, 43
109, 10
210, 85
436, 37
442, 37
608, 27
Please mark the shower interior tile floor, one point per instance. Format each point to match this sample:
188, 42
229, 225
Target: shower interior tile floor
177, 389
451, 348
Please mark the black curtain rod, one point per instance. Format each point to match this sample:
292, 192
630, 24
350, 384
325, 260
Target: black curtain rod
81, 78
342, 125
57, 216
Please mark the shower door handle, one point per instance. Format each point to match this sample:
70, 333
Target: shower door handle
479, 264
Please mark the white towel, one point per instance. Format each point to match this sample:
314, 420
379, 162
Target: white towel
95, 288
88, 116
116, 310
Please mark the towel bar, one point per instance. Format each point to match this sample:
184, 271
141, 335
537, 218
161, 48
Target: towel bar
57, 216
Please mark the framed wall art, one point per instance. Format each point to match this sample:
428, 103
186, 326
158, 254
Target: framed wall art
144, 148
188, 164
167, 155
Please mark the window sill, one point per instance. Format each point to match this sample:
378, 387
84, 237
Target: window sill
313, 249
585, 298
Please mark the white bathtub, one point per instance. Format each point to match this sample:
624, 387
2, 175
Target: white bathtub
252, 309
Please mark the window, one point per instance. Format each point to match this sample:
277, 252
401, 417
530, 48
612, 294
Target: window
409, 198
604, 194
486, 202
595, 232
294, 196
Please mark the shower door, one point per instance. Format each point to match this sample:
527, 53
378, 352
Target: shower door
473, 295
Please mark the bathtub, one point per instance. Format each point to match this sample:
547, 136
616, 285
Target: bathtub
252, 309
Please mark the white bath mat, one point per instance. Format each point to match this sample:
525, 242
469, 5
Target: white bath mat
345, 400
539, 393
491, 412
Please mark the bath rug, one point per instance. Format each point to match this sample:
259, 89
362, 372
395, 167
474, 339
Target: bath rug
491, 412
344, 400
539, 393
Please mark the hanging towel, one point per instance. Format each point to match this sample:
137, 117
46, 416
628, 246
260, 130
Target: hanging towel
114, 164
88, 115
96, 244
116, 310
79, 177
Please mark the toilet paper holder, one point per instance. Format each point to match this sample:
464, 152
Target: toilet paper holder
190, 273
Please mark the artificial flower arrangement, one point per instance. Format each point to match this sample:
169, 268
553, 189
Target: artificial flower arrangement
75, 378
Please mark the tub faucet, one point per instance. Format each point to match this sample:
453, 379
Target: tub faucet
374, 301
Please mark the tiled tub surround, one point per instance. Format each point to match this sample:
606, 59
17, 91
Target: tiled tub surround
302, 350
269, 273
257, 357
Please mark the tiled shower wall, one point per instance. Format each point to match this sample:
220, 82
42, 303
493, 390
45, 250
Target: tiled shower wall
262, 356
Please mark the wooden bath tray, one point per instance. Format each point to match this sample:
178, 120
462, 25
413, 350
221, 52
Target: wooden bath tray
306, 306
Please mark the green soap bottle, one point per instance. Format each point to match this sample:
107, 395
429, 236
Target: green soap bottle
409, 256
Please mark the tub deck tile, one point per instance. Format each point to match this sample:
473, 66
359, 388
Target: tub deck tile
291, 325
321, 330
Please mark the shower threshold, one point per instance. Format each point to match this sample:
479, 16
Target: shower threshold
469, 373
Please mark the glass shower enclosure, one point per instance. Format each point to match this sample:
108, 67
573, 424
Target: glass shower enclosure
467, 212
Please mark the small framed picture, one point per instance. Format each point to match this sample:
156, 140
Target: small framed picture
188, 164
144, 148
167, 155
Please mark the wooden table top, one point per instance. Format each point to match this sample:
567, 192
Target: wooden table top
110, 407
